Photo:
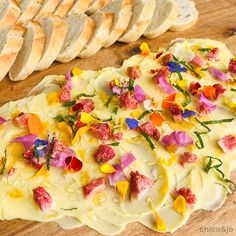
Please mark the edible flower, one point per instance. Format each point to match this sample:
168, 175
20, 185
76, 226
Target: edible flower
127, 159
76, 71
168, 101
65, 95
188, 113
198, 61
52, 98
209, 92
68, 84
156, 119
145, 50
175, 67
107, 169
27, 140
117, 176
148, 105
139, 94
177, 139
81, 131
166, 86
86, 117
218, 74
161, 226
73, 164
206, 107
180, 205
2, 120
34, 124
132, 123
122, 187
40, 147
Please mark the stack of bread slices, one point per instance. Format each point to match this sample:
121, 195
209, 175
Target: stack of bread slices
35, 33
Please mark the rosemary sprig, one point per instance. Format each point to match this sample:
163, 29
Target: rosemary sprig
211, 122
4, 162
69, 104
109, 101
85, 95
152, 146
49, 156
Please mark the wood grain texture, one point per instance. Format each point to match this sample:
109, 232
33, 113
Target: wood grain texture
217, 21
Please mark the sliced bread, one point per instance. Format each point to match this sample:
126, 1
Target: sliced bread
29, 8
142, 15
103, 22
80, 29
95, 5
47, 8
165, 14
9, 13
63, 8
80, 6
122, 12
55, 30
188, 15
11, 41
30, 53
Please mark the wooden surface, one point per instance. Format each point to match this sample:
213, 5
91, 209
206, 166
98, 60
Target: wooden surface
217, 21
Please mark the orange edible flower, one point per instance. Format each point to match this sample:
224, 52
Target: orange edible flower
156, 119
34, 124
168, 101
209, 92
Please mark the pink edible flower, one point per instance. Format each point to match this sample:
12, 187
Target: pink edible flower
117, 176
205, 106
66, 89
127, 159
218, 74
178, 139
165, 85
2, 120
139, 94
198, 61
213, 54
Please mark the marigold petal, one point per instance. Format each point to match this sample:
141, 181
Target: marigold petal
107, 169
122, 187
180, 204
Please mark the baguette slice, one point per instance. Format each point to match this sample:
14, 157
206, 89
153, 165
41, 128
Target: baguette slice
95, 5
165, 14
143, 11
80, 6
187, 17
55, 31
29, 8
63, 8
122, 11
9, 13
103, 23
47, 8
10, 45
80, 29
30, 53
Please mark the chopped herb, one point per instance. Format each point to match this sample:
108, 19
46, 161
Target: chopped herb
49, 156
69, 209
233, 89
144, 114
109, 101
211, 122
152, 146
179, 74
102, 119
205, 69
69, 104
59, 118
4, 162
85, 95
189, 100
115, 111
131, 85
114, 144
69, 119
204, 49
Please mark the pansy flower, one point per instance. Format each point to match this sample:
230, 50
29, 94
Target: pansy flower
175, 67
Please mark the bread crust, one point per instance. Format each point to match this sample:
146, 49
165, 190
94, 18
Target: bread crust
63, 8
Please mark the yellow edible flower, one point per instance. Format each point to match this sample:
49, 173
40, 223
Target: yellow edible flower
76, 71
43, 171
180, 204
135, 114
122, 187
145, 50
53, 98
16, 194
182, 83
67, 134
79, 133
107, 169
86, 117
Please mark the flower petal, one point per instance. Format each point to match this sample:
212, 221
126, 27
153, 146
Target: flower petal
188, 113
27, 141
127, 159
167, 87
2, 120
218, 74
139, 94
132, 123
117, 176
122, 187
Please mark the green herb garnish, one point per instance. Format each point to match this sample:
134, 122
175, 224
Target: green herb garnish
152, 146
211, 122
85, 95
69, 209
69, 119
114, 144
4, 162
49, 156
233, 89
109, 101
115, 111
131, 85
144, 114
186, 94
69, 104
204, 49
